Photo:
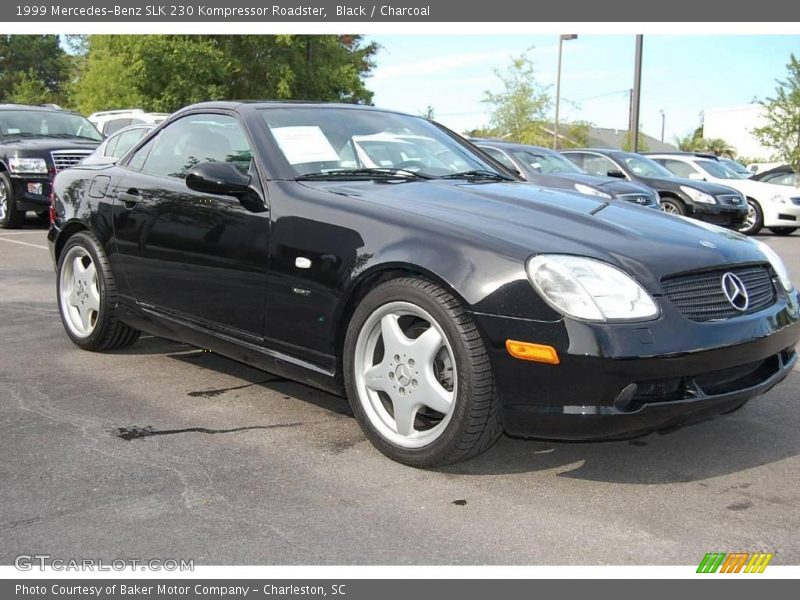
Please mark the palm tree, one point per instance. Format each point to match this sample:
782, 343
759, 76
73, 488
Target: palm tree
719, 147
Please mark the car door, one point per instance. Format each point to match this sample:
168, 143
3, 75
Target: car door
196, 256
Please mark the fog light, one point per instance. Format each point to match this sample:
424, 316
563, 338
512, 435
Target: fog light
534, 352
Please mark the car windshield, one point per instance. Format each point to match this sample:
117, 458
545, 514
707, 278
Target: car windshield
546, 162
335, 142
36, 123
718, 170
644, 167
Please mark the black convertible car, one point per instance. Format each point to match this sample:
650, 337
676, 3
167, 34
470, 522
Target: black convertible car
449, 301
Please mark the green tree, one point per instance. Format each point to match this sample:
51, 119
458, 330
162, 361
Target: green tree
781, 132
627, 143
718, 147
520, 111
33, 67
577, 135
165, 72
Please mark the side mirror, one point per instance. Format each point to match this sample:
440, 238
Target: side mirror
221, 178
616, 173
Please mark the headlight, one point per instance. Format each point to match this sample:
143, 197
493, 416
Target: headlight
779, 199
590, 191
777, 264
697, 195
589, 289
27, 165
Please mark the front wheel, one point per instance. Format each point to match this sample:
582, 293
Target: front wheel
783, 230
673, 206
418, 375
87, 296
10, 217
754, 221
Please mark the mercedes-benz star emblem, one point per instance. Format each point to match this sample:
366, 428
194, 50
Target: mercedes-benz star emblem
735, 292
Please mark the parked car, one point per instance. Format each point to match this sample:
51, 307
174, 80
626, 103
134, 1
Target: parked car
111, 121
783, 175
769, 205
117, 144
698, 199
549, 169
36, 142
448, 305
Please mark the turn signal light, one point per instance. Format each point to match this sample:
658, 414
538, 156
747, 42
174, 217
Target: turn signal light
52, 212
534, 352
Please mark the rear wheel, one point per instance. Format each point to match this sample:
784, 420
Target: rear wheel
10, 217
783, 230
87, 296
673, 206
754, 221
418, 375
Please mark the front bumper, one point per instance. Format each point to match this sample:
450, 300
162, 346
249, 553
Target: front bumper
623, 380
27, 200
781, 215
725, 215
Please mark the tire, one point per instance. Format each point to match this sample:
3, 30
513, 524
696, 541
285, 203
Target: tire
783, 230
87, 297
754, 221
448, 368
673, 206
10, 217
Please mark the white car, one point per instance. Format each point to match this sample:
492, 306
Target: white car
111, 121
776, 207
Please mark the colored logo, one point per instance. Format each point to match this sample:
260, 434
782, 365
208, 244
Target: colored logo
734, 562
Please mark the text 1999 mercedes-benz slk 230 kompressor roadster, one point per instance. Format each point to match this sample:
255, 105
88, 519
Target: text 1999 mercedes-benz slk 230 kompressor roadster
382, 256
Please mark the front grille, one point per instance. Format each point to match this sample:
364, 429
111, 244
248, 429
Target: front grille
638, 198
731, 200
700, 297
63, 159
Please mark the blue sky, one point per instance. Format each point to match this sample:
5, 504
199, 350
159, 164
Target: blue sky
683, 75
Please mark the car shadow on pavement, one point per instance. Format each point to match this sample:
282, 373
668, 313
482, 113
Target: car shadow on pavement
722, 446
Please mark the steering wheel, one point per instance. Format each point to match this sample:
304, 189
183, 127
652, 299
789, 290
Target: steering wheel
411, 165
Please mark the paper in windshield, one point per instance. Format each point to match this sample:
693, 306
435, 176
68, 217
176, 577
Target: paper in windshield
304, 144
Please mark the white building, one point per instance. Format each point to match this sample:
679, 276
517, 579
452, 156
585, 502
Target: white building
735, 126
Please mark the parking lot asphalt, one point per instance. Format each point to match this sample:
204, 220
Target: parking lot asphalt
165, 451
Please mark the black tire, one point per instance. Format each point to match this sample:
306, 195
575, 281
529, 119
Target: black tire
474, 423
673, 206
783, 230
757, 223
109, 332
10, 217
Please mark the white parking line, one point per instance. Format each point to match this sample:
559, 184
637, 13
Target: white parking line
32, 231
23, 243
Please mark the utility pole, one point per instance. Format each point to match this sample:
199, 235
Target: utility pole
636, 95
562, 38
663, 120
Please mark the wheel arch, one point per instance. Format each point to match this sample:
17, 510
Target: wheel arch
67, 231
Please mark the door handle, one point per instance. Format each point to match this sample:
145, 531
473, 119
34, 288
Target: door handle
130, 198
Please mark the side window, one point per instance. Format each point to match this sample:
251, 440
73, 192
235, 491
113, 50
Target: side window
115, 125
781, 178
196, 139
111, 145
598, 165
137, 161
500, 157
127, 140
679, 168
576, 157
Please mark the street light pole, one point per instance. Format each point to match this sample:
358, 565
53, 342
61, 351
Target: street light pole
562, 38
637, 94
663, 119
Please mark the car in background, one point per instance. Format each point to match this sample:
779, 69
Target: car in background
448, 305
760, 167
734, 166
110, 121
548, 168
701, 200
769, 205
783, 175
36, 142
117, 144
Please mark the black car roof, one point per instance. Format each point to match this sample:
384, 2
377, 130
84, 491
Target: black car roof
256, 104
504, 144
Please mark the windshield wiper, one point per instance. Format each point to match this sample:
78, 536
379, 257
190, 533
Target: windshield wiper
477, 174
376, 173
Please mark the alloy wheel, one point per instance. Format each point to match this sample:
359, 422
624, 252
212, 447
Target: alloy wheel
670, 208
3, 200
405, 374
750, 219
80, 292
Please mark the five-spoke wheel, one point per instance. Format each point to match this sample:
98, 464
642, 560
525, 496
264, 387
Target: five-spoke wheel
80, 292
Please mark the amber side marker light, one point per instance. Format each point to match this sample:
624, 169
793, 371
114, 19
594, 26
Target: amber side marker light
534, 352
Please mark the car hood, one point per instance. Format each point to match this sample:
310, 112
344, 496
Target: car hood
610, 185
671, 183
761, 190
37, 145
523, 219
